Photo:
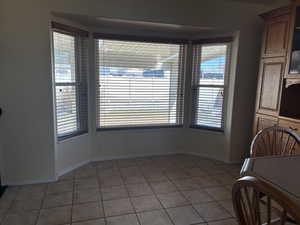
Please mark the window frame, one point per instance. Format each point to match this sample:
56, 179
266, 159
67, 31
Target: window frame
195, 86
183, 43
77, 34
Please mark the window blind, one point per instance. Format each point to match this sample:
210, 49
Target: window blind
139, 84
209, 84
70, 73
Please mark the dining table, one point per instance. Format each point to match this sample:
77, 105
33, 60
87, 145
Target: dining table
281, 171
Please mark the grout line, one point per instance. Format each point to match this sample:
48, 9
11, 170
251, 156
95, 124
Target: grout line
129, 197
100, 194
156, 196
73, 196
42, 203
172, 160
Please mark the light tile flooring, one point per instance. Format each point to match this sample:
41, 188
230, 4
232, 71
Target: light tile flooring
160, 190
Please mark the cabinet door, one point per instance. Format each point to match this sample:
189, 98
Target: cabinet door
295, 126
262, 121
270, 85
275, 38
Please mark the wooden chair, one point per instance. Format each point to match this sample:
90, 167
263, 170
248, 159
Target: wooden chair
249, 209
275, 141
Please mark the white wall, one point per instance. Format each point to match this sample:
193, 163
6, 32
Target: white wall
26, 128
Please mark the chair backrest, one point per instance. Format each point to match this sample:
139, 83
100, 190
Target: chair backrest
258, 202
275, 141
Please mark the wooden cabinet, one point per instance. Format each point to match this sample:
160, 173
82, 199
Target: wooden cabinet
290, 123
269, 85
278, 89
275, 39
263, 121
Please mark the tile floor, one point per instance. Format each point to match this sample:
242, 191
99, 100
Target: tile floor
160, 190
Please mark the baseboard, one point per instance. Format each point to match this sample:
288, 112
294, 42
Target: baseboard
14, 183
132, 156
70, 168
204, 156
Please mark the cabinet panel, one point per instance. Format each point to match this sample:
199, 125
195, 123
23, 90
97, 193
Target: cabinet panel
262, 122
290, 124
270, 85
276, 37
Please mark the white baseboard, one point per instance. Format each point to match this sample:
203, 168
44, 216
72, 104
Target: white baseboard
73, 167
16, 183
208, 157
70, 168
204, 156
98, 159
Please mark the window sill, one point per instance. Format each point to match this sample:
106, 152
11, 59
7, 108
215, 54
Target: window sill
61, 139
137, 128
219, 130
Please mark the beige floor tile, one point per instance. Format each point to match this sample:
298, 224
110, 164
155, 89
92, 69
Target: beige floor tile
225, 179
163, 187
91, 222
139, 190
58, 187
30, 195
86, 183
56, 200
211, 211
24, 218
26, 205
85, 173
158, 217
207, 181
106, 164
130, 171
176, 174
115, 192
145, 203
55, 216
130, 219
155, 176
218, 193
33, 188
224, 222
86, 195
134, 180
109, 172
197, 196
118, 207
186, 184
227, 204
172, 199
185, 215
126, 162
195, 172
111, 181
87, 211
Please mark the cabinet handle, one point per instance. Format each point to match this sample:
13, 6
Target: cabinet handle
295, 129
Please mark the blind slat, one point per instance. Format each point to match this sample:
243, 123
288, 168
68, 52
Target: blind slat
70, 83
139, 83
209, 77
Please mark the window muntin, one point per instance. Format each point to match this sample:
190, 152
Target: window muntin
139, 84
70, 85
210, 75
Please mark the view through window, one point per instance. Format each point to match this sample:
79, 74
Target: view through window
139, 83
70, 86
210, 71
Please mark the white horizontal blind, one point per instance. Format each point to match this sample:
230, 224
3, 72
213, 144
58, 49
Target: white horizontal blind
70, 66
209, 84
139, 84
